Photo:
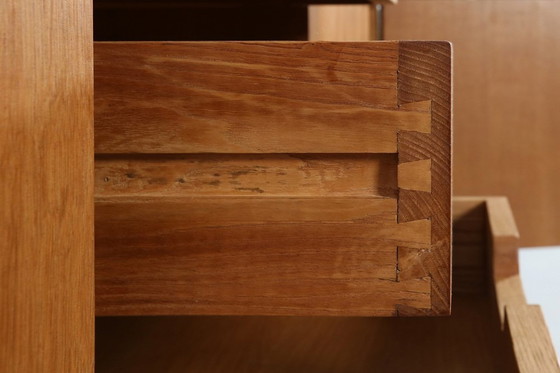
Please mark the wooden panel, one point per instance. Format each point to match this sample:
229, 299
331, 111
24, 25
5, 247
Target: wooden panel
233, 175
307, 255
531, 340
506, 83
214, 97
280, 199
340, 22
425, 84
46, 192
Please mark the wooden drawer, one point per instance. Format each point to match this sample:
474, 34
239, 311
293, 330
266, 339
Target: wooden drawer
273, 178
491, 329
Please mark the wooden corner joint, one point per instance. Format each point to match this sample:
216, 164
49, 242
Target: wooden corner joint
424, 80
414, 180
410, 263
417, 174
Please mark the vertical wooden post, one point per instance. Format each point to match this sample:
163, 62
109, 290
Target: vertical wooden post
46, 186
347, 22
340, 22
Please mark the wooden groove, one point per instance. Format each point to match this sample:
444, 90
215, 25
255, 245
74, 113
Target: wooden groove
316, 175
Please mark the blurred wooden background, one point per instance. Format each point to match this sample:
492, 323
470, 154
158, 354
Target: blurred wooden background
507, 112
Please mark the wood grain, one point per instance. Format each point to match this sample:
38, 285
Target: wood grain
470, 340
248, 98
46, 192
424, 80
506, 83
278, 153
415, 175
323, 256
252, 175
531, 339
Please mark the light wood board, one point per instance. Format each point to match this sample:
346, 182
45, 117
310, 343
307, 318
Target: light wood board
46, 187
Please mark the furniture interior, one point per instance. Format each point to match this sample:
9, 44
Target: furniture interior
470, 340
118, 20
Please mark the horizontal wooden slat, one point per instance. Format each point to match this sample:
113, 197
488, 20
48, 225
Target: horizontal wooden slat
294, 175
290, 297
250, 255
261, 126
249, 98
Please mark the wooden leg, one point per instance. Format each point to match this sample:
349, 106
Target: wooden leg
46, 186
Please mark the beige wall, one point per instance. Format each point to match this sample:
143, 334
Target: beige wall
507, 103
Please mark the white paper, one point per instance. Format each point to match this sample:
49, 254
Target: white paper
540, 274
